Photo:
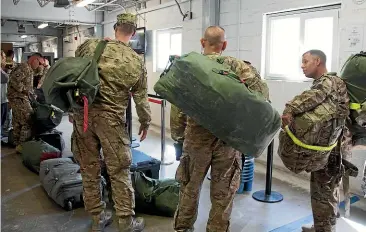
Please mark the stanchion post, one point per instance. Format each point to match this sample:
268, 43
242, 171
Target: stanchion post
267, 195
162, 134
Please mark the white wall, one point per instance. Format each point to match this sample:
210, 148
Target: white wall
245, 42
163, 16
76, 36
50, 45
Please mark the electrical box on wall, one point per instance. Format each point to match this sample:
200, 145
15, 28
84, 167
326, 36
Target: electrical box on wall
67, 39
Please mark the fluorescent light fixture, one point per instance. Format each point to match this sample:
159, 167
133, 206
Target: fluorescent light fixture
23, 36
43, 25
84, 3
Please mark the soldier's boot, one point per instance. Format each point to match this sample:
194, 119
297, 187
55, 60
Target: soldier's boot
130, 224
101, 221
308, 228
18, 149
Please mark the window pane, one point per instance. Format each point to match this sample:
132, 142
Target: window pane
319, 35
176, 44
163, 49
284, 47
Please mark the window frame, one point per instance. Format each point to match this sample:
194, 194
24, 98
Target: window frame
171, 31
303, 14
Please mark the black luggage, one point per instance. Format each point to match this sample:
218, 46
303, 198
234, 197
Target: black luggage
45, 117
62, 181
142, 162
53, 138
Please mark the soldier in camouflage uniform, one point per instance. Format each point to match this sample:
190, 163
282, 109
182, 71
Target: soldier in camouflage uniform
178, 123
202, 150
121, 70
19, 90
324, 184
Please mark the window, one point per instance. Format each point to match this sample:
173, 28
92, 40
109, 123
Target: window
167, 42
290, 34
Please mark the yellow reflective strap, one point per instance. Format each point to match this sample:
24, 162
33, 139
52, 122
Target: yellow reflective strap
52, 114
309, 147
355, 106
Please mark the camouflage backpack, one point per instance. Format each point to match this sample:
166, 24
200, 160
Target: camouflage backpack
353, 73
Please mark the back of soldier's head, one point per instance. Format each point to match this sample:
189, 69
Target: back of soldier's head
126, 24
10, 53
214, 36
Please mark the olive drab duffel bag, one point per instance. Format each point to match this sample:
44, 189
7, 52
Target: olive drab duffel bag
73, 82
353, 73
215, 98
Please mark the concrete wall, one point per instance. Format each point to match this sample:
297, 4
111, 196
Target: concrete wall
163, 16
243, 21
76, 36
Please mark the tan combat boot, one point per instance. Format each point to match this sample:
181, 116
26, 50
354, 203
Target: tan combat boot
308, 228
130, 224
100, 221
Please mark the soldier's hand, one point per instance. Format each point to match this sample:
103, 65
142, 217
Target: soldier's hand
107, 39
143, 133
286, 120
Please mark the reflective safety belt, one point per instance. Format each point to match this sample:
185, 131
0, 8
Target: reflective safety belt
355, 106
306, 146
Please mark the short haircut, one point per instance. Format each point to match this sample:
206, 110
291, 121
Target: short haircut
37, 54
9, 53
318, 53
214, 35
126, 29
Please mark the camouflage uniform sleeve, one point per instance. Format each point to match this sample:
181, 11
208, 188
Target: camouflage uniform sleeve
40, 83
249, 75
21, 79
178, 123
309, 99
140, 98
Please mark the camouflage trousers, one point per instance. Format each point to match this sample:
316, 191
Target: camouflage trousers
363, 185
198, 155
110, 136
22, 119
325, 194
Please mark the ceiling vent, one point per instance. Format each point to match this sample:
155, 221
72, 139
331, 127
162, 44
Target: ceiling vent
61, 3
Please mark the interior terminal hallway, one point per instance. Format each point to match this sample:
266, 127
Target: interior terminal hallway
26, 207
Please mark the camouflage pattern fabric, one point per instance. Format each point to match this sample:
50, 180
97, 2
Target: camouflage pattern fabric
325, 193
43, 76
319, 116
19, 88
112, 137
121, 70
127, 18
201, 149
22, 120
178, 123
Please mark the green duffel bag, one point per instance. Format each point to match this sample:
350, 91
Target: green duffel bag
73, 81
353, 73
35, 151
155, 197
215, 98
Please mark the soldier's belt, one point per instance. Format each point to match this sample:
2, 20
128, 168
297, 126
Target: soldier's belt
306, 146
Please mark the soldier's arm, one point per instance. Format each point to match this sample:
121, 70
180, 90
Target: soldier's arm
309, 99
249, 75
140, 98
178, 123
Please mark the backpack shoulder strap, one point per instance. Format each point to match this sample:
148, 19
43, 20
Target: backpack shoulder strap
99, 50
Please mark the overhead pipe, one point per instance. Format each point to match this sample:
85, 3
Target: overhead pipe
43, 3
106, 4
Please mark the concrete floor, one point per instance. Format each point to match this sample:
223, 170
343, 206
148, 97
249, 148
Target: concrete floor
27, 208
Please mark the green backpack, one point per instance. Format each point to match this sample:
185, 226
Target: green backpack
353, 73
73, 82
211, 94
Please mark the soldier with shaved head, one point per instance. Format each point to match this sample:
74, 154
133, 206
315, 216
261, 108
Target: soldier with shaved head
202, 150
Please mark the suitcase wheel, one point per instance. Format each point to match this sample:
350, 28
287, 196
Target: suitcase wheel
68, 205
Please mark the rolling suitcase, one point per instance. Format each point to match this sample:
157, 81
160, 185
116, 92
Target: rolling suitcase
62, 181
142, 162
